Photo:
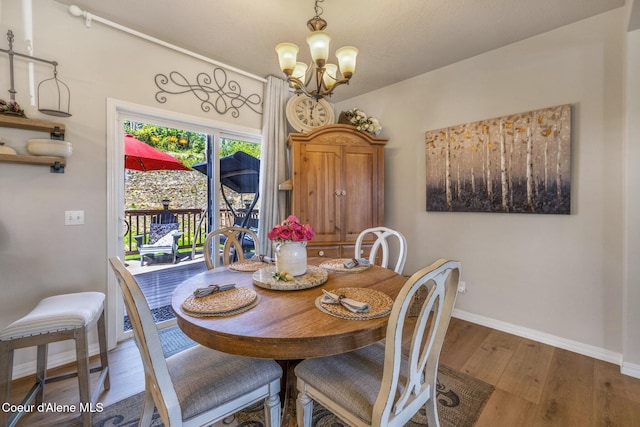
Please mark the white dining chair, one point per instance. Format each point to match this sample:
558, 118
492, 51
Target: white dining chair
198, 386
235, 241
379, 385
383, 236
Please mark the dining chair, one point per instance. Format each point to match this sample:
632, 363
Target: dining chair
197, 386
235, 241
380, 385
383, 235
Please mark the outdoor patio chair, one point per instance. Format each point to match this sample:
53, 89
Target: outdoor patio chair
163, 238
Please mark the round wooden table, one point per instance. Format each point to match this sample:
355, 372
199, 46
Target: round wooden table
285, 325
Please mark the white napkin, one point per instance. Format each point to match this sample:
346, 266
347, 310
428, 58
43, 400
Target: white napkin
349, 304
353, 262
262, 258
212, 289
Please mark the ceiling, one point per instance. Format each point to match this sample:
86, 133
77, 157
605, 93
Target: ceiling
397, 39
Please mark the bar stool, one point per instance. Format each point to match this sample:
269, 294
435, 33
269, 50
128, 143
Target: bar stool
57, 318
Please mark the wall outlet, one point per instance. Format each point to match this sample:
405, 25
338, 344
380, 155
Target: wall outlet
462, 287
73, 217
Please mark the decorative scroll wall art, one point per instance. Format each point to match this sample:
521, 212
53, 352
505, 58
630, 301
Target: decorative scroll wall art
519, 163
214, 92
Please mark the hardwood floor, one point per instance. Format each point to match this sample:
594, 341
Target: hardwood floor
536, 384
540, 385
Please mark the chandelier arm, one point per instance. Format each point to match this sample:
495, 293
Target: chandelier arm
309, 74
320, 91
320, 87
339, 83
297, 85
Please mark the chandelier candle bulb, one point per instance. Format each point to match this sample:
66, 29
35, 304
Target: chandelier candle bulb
300, 70
330, 75
318, 42
347, 60
287, 54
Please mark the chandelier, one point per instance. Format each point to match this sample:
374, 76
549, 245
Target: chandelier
320, 78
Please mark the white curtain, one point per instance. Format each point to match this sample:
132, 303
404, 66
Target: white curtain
273, 159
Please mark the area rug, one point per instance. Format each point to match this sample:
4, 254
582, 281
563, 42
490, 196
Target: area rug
159, 314
460, 402
174, 341
460, 399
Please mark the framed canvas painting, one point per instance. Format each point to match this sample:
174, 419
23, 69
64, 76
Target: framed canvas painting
519, 163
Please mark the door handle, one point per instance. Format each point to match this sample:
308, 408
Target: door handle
124, 221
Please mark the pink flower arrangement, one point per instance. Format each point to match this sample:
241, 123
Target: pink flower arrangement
291, 230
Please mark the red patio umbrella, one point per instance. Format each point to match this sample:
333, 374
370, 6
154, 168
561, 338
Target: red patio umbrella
143, 157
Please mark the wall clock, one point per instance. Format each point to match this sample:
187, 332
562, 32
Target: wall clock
304, 113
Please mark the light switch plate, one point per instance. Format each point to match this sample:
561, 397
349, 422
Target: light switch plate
73, 217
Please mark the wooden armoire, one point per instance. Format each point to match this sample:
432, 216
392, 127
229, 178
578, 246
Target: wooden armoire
337, 186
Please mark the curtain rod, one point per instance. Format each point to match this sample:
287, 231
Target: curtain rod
89, 17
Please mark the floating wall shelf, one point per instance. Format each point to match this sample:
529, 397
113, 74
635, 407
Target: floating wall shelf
55, 130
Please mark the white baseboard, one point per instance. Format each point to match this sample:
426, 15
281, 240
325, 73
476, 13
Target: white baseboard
630, 369
563, 343
53, 360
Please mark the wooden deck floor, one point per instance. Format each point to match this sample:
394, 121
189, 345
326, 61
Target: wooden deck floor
158, 284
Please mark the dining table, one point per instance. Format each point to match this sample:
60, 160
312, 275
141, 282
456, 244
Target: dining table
289, 324
286, 324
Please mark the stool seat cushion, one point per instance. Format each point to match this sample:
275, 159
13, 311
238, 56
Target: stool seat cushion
57, 313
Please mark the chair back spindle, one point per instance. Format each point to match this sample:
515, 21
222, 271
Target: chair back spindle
383, 235
234, 240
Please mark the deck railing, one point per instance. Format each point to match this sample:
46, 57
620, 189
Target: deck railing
190, 222
138, 221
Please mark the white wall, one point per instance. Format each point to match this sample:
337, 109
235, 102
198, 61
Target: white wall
39, 256
631, 314
559, 276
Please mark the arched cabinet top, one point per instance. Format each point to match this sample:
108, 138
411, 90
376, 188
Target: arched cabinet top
338, 134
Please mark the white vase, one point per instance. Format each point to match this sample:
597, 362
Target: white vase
291, 257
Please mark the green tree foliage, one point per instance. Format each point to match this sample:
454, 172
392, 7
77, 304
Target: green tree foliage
185, 145
231, 146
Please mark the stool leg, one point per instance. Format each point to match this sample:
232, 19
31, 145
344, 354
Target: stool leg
41, 371
82, 354
6, 374
102, 341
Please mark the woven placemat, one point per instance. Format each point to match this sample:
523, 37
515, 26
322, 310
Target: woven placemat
225, 303
315, 276
379, 303
337, 266
247, 266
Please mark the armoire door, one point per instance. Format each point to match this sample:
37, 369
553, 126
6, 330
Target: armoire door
318, 189
360, 196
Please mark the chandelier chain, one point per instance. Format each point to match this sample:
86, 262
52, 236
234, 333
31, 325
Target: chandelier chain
318, 9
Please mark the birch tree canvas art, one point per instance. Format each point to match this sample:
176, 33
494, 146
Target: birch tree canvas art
519, 164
